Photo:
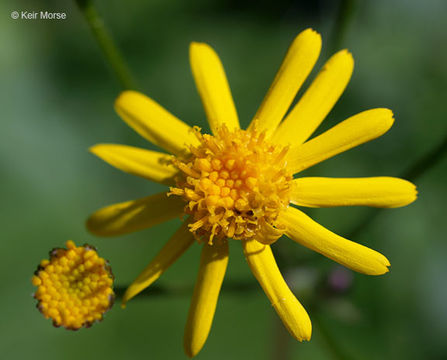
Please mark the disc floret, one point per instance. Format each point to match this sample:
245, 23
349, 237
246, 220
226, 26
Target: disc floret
74, 287
235, 184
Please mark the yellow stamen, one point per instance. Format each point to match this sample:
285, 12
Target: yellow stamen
74, 287
234, 183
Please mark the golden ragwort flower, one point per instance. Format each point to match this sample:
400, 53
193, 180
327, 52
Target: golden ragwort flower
239, 184
74, 287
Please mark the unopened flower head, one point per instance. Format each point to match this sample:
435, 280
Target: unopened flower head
74, 287
242, 184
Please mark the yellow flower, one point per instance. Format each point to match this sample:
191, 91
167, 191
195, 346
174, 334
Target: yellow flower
74, 287
239, 184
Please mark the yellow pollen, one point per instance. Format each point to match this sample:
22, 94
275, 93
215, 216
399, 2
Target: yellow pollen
74, 287
235, 185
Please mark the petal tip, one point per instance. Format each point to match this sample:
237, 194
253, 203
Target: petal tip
90, 225
306, 338
96, 149
411, 194
189, 353
126, 297
389, 115
345, 52
415, 193
302, 330
191, 349
385, 270
383, 119
382, 268
309, 38
310, 32
124, 94
127, 99
93, 227
347, 55
390, 119
196, 46
306, 333
382, 265
93, 148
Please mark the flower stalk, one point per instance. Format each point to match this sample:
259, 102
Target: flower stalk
345, 14
105, 41
412, 173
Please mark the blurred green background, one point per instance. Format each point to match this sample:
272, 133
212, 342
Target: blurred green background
57, 98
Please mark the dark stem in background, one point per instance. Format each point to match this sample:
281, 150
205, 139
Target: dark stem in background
424, 164
346, 10
186, 290
413, 172
331, 343
102, 36
281, 340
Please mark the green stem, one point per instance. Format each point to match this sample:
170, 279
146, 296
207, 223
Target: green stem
106, 43
413, 172
428, 161
331, 343
160, 290
281, 340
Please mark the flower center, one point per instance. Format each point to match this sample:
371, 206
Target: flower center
74, 286
235, 185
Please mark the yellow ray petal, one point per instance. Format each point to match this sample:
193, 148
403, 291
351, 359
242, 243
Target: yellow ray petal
213, 87
154, 123
213, 263
317, 101
134, 215
296, 66
171, 251
151, 165
387, 192
351, 132
264, 268
307, 232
